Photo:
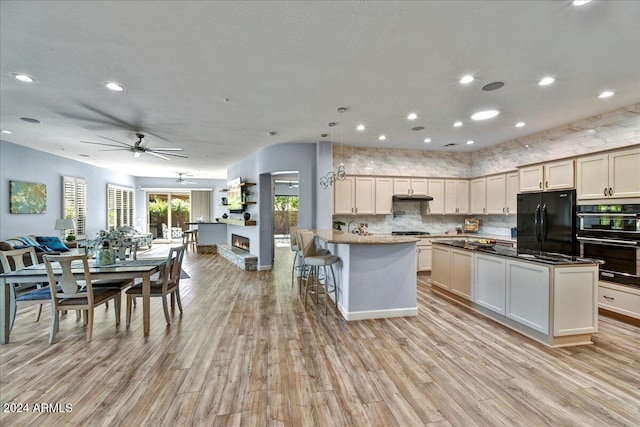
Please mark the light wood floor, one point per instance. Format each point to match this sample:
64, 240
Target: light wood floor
246, 353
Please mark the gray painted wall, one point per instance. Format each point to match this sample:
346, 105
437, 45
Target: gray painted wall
19, 163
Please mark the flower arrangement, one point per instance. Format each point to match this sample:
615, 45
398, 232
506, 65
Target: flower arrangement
113, 237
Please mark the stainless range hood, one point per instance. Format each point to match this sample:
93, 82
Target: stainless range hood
403, 197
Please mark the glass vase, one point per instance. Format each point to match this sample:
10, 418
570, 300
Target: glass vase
105, 256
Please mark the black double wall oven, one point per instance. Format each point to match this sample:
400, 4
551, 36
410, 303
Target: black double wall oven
611, 233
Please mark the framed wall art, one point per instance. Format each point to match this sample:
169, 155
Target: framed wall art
27, 197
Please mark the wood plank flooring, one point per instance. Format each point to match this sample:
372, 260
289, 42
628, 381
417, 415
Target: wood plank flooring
245, 353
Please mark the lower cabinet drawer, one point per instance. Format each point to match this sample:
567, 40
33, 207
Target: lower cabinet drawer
619, 299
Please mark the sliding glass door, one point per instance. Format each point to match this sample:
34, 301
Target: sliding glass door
168, 214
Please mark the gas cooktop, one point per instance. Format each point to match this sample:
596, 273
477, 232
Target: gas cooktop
409, 233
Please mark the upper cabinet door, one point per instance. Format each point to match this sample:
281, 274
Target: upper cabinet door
478, 196
401, 186
384, 194
436, 190
513, 185
419, 187
344, 196
593, 177
497, 194
531, 178
462, 196
624, 173
559, 175
365, 196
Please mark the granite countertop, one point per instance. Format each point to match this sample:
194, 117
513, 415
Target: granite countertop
532, 256
336, 236
471, 236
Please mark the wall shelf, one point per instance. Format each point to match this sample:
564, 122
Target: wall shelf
240, 222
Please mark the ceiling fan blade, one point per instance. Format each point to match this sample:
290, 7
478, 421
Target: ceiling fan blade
167, 149
101, 143
157, 155
119, 142
166, 154
114, 149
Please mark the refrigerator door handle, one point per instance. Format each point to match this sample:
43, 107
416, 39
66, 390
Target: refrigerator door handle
543, 223
536, 223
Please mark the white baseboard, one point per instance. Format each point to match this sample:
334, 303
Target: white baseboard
379, 314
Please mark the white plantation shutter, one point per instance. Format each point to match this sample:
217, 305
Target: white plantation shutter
119, 206
74, 203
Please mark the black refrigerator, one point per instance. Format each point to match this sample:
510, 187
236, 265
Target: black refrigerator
547, 222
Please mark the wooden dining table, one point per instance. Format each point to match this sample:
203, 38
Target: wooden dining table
133, 269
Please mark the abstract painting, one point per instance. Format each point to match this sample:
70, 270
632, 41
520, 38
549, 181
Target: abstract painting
27, 198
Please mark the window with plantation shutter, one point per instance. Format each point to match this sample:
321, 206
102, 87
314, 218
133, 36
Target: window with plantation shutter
119, 206
74, 204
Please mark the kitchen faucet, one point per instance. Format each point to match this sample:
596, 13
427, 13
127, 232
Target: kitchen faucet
349, 225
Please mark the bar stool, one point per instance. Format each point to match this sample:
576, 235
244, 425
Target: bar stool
314, 262
190, 238
294, 236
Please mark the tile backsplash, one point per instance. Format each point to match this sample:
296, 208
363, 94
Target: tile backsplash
408, 216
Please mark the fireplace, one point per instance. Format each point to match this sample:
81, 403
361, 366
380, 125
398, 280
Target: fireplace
240, 242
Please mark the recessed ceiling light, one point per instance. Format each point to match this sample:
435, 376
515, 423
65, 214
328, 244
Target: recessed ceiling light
457, 124
114, 86
427, 140
546, 81
6, 131
382, 137
469, 142
606, 94
30, 120
412, 116
361, 127
466, 79
580, 2
520, 124
484, 115
23, 77
342, 110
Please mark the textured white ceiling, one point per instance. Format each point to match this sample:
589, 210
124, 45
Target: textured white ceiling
287, 66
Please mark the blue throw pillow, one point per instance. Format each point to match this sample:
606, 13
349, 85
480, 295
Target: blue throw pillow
38, 248
53, 243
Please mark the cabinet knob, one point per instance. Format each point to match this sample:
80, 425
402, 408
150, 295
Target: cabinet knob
605, 192
610, 192
504, 210
608, 298
540, 184
546, 184
507, 209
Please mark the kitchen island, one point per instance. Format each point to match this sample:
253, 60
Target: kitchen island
550, 298
375, 276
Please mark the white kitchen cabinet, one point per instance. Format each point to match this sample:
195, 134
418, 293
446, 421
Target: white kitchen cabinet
550, 176
441, 256
609, 175
460, 276
436, 190
489, 282
478, 196
513, 187
344, 193
528, 294
456, 200
410, 186
424, 249
384, 196
497, 194
575, 301
354, 196
620, 299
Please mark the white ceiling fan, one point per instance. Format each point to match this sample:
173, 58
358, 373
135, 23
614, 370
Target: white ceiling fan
183, 181
140, 147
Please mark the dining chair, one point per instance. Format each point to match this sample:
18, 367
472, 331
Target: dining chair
166, 284
14, 260
67, 293
127, 251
